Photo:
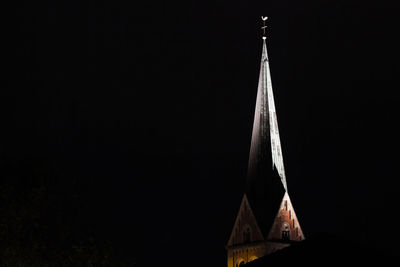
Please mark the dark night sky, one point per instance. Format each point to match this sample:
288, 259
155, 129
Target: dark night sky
149, 108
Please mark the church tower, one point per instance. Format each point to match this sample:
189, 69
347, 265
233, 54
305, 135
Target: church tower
266, 220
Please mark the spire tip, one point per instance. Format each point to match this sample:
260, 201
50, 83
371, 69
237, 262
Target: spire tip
264, 26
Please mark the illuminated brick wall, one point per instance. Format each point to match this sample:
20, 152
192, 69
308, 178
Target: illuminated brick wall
286, 226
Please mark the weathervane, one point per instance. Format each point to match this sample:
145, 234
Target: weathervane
264, 26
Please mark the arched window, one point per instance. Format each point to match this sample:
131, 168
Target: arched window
285, 231
240, 263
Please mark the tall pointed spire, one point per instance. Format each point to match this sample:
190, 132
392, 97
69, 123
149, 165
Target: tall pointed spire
265, 124
266, 221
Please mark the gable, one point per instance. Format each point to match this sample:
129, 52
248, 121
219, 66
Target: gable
286, 224
245, 229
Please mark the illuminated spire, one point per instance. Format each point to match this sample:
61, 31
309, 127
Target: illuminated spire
266, 221
265, 134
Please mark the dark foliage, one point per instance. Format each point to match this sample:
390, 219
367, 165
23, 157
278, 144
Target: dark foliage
41, 226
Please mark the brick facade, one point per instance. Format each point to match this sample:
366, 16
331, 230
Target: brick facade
247, 243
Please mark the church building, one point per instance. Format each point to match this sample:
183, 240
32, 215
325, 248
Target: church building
266, 220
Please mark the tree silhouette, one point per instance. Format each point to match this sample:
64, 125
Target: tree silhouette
39, 225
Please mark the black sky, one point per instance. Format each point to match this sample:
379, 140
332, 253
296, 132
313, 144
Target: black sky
148, 107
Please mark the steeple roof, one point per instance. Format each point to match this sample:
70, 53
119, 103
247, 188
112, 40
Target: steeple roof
266, 180
266, 187
265, 137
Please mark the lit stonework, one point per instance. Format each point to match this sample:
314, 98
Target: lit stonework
266, 220
286, 225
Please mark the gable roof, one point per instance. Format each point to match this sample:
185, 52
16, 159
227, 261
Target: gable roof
245, 217
286, 214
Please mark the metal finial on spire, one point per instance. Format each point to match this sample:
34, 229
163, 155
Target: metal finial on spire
264, 26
